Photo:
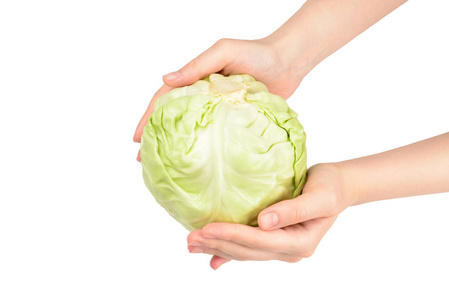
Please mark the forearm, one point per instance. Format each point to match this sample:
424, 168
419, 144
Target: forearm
321, 27
416, 169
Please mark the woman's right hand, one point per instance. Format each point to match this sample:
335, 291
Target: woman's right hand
282, 59
258, 58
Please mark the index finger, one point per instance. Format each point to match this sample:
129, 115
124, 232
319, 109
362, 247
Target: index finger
143, 121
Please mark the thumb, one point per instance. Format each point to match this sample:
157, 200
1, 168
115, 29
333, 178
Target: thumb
288, 212
210, 61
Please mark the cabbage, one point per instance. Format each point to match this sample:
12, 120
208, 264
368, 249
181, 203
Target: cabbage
222, 150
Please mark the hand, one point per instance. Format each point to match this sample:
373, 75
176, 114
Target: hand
259, 58
289, 230
282, 59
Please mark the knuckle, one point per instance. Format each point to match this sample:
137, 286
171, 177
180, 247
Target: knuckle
303, 246
193, 64
223, 42
259, 244
300, 214
307, 253
293, 259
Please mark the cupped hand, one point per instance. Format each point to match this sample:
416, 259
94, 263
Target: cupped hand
288, 230
259, 58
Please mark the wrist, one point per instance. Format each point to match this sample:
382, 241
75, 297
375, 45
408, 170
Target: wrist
292, 53
350, 184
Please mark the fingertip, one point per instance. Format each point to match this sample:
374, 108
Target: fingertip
170, 79
268, 220
207, 231
194, 236
139, 131
217, 261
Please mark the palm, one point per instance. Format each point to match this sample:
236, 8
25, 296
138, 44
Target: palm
326, 200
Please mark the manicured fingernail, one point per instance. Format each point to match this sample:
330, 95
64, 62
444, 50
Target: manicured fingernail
172, 75
269, 220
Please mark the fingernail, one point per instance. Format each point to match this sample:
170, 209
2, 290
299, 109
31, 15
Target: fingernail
171, 76
269, 220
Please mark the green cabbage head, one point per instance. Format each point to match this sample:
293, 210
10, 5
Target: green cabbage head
222, 150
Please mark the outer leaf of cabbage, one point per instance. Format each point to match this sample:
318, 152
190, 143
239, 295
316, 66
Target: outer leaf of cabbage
222, 150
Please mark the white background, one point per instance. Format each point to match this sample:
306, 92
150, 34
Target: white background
76, 221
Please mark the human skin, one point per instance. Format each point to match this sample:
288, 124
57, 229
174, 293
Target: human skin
281, 61
291, 230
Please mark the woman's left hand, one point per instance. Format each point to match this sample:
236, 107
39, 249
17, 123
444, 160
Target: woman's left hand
288, 231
